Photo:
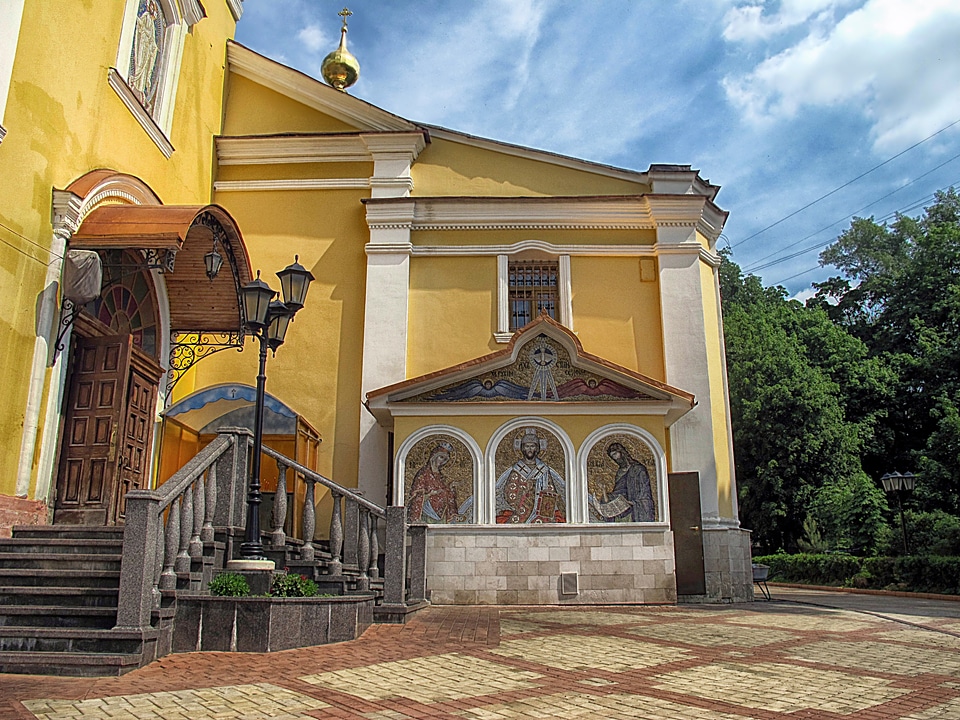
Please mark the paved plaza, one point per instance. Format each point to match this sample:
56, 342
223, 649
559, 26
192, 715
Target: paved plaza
806, 654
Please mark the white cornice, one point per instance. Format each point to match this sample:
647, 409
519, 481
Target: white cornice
193, 12
538, 155
312, 92
65, 213
236, 9
3, 133
284, 149
137, 110
579, 249
293, 184
388, 248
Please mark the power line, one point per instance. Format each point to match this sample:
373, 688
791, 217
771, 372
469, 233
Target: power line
846, 184
901, 211
756, 264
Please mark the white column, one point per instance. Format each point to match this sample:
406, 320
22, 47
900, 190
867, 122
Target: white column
686, 360
66, 219
384, 331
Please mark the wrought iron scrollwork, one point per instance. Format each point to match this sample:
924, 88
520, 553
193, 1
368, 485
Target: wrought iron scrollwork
160, 259
209, 220
68, 315
189, 348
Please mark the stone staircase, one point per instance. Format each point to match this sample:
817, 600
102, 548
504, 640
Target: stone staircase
58, 604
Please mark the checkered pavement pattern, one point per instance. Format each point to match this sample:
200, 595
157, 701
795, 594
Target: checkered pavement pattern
762, 661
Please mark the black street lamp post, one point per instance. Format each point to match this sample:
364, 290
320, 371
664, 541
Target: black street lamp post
267, 320
898, 484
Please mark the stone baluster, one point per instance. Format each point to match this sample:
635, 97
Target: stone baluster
182, 564
278, 518
351, 532
308, 552
168, 578
336, 535
158, 565
199, 500
374, 548
209, 505
363, 551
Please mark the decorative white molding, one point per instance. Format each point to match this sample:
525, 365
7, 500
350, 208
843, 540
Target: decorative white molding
279, 150
236, 9
311, 92
66, 210
126, 95
503, 333
193, 12
565, 292
388, 248
3, 133
583, 249
293, 184
468, 409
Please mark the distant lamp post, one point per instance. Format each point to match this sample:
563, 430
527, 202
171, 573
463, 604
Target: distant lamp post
899, 484
267, 320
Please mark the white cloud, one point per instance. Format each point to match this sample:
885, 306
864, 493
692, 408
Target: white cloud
748, 22
314, 38
894, 61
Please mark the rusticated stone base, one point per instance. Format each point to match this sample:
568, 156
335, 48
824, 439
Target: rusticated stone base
20, 511
550, 565
727, 566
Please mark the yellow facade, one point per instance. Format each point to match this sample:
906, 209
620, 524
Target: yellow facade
410, 232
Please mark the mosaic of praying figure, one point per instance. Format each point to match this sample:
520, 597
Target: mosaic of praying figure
530, 490
628, 495
147, 48
433, 494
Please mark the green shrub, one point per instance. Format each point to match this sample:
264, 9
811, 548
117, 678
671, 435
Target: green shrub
293, 585
229, 584
915, 573
816, 569
928, 533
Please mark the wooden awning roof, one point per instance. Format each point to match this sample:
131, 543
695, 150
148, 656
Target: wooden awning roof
182, 235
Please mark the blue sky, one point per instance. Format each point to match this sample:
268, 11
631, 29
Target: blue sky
779, 103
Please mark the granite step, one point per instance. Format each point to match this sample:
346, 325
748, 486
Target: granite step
63, 546
42, 577
72, 640
63, 597
58, 560
73, 532
27, 617
71, 664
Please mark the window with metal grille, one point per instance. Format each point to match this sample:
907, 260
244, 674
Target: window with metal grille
533, 287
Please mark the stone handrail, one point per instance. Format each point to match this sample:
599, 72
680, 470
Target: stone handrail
354, 534
166, 530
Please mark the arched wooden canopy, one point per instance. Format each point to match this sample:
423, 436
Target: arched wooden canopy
206, 315
174, 239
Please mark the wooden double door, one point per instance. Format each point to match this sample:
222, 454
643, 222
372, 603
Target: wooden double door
107, 436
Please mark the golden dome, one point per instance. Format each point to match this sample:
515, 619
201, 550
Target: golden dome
341, 69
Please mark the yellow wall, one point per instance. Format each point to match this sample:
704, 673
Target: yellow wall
317, 371
272, 113
452, 311
448, 168
63, 120
616, 313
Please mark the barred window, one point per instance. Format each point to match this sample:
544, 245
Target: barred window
532, 288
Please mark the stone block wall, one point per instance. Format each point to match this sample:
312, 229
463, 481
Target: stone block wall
522, 565
727, 565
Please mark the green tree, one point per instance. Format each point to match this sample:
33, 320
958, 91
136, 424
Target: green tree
786, 364
899, 292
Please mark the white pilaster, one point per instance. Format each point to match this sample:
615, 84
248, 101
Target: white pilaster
384, 331
65, 221
686, 360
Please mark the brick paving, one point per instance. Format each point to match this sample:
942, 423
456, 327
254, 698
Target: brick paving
765, 660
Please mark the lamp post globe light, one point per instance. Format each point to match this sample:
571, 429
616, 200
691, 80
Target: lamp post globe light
267, 320
898, 484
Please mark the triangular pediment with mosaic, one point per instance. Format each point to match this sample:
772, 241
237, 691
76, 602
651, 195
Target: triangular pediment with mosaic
544, 363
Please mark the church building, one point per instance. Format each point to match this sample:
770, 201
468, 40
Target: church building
523, 349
